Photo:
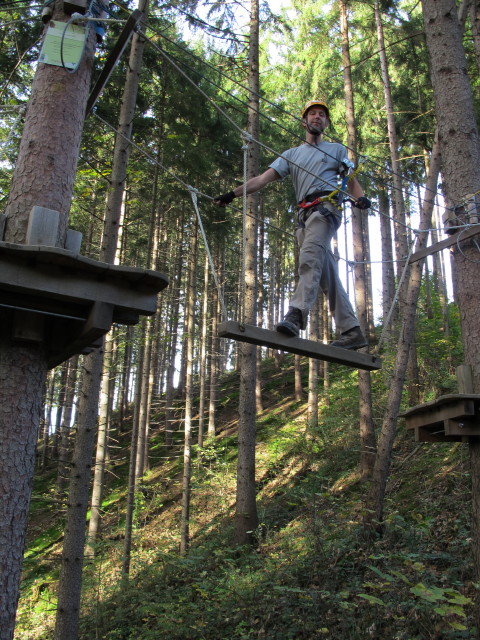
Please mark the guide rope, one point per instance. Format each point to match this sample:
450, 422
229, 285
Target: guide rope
386, 322
193, 193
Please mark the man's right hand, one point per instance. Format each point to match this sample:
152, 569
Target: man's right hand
226, 198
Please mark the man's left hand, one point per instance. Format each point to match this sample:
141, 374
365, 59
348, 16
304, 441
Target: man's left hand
362, 203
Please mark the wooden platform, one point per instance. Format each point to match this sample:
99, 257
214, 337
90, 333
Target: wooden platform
70, 301
276, 340
449, 418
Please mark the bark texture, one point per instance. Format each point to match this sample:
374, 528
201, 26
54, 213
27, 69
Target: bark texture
246, 518
22, 376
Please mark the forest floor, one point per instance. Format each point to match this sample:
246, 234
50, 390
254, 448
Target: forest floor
312, 574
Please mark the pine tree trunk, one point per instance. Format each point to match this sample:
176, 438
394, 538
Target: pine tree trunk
258, 366
172, 349
187, 449
62, 385
47, 419
70, 583
388, 270
398, 201
246, 518
214, 360
102, 443
44, 176
203, 356
459, 145
64, 449
474, 10
22, 377
313, 368
132, 487
360, 235
327, 332
71, 579
376, 494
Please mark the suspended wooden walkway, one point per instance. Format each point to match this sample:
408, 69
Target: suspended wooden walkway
276, 340
449, 418
55, 296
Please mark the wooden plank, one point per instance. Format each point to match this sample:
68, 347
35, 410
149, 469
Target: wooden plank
146, 279
58, 275
43, 227
424, 435
68, 286
448, 399
3, 222
460, 236
96, 326
462, 427
276, 340
73, 241
464, 378
28, 327
436, 414
113, 57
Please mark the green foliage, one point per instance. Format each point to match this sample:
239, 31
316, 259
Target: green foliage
312, 573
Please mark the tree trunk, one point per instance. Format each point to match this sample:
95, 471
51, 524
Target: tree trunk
398, 201
22, 377
214, 359
313, 368
388, 270
44, 176
258, 366
203, 356
47, 418
360, 236
70, 583
367, 428
187, 449
474, 10
132, 476
460, 149
376, 493
71, 578
64, 446
62, 385
246, 518
102, 443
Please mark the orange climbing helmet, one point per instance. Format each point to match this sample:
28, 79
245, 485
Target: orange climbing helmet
313, 103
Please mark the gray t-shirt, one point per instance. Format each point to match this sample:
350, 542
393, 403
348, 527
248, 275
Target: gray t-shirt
312, 167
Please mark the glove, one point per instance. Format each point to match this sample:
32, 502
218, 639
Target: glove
362, 203
225, 199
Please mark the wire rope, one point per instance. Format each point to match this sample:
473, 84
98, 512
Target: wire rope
170, 58
376, 178
395, 298
380, 167
193, 193
369, 160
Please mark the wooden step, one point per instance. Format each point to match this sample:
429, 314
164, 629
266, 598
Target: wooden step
449, 418
276, 340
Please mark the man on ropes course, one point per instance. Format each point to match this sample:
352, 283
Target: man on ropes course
315, 167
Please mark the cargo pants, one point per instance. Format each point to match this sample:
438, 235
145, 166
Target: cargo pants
318, 267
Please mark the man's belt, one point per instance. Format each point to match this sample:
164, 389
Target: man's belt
313, 198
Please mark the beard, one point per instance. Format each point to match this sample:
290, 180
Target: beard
315, 129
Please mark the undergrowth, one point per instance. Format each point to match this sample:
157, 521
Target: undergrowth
313, 573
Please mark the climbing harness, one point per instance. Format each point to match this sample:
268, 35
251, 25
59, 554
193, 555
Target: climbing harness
336, 196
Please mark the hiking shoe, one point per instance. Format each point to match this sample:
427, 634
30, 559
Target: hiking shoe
352, 339
292, 323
